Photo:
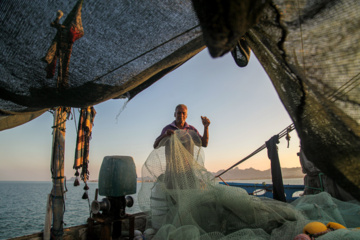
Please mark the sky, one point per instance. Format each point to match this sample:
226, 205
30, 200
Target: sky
241, 103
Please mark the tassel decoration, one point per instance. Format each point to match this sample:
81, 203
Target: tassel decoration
77, 181
85, 195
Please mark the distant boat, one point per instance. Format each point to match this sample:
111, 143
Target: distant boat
292, 192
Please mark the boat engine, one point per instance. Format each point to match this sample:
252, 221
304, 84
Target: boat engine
112, 206
117, 178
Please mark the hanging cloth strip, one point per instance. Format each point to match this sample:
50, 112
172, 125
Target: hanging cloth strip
278, 186
61, 46
86, 121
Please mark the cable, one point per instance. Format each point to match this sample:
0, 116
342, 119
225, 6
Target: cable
281, 134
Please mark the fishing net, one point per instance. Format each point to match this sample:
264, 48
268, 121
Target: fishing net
313, 63
184, 202
309, 49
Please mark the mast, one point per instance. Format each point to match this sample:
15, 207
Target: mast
61, 48
57, 171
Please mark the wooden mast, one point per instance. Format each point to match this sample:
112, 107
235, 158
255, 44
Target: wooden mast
61, 48
57, 171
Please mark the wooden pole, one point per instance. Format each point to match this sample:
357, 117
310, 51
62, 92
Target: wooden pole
48, 216
57, 169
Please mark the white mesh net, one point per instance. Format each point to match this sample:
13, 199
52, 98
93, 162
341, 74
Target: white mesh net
184, 202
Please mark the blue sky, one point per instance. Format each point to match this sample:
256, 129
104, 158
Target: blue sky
241, 103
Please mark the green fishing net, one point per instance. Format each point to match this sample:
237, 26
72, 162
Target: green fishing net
183, 201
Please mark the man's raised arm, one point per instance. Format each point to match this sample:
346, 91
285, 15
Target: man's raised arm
205, 137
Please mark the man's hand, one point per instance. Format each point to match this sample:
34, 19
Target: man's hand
205, 121
169, 132
205, 137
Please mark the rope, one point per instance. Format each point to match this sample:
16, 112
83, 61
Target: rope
223, 181
76, 129
343, 89
281, 134
142, 54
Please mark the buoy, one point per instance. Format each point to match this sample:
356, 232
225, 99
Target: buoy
302, 236
314, 228
137, 233
149, 233
334, 225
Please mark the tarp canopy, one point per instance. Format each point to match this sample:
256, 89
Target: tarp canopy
310, 50
126, 45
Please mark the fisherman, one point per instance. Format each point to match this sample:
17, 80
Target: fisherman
180, 123
179, 164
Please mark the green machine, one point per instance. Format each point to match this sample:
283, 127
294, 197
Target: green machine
117, 178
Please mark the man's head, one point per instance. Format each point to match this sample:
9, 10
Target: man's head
180, 115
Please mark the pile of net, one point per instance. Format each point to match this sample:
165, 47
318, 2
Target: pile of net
183, 201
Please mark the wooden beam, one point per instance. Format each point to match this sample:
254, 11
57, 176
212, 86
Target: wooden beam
57, 170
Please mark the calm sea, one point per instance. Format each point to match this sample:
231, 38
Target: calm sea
23, 205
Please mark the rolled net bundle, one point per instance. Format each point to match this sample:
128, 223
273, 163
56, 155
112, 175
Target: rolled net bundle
184, 202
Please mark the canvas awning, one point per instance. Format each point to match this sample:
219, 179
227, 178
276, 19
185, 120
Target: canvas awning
308, 48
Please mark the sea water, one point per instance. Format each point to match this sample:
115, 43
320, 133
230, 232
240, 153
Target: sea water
23, 205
